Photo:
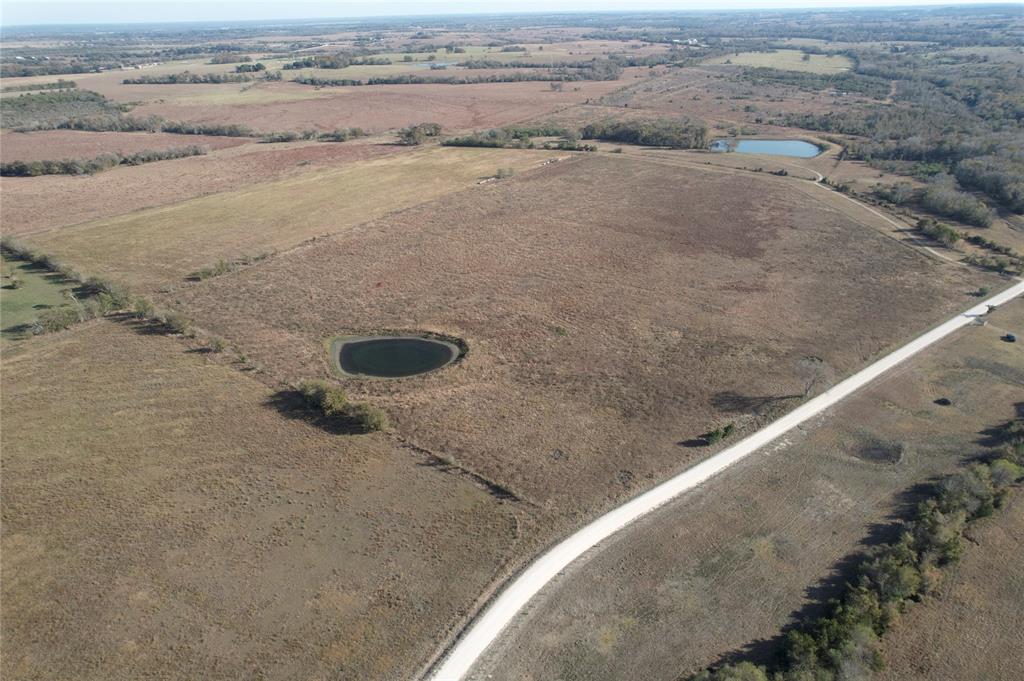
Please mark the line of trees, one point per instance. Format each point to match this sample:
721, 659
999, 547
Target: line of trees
843, 642
187, 77
682, 133
60, 84
336, 61
98, 164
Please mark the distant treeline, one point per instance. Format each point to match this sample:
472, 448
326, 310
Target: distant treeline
336, 61
842, 643
187, 77
339, 135
59, 85
603, 71
94, 165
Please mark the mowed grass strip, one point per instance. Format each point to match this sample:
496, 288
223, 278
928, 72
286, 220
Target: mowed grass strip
154, 247
788, 60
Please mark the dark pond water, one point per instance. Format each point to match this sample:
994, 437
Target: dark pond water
793, 148
394, 357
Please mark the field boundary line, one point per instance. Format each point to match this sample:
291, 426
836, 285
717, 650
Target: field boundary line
455, 662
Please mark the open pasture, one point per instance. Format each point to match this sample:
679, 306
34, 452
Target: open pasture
788, 60
385, 107
613, 307
166, 497
163, 245
723, 569
60, 144
38, 204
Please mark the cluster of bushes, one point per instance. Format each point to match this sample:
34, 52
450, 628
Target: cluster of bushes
996, 263
47, 108
944, 234
95, 165
332, 402
187, 77
224, 266
677, 134
943, 199
719, 434
418, 134
250, 68
1001, 179
521, 137
842, 644
339, 135
61, 84
229, 58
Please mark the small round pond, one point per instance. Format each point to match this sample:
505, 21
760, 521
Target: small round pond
792, 148
392, 356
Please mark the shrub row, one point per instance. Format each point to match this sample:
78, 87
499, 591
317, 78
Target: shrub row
842, 644
99, 296
95, 165
61, 84
332, 402
187, 77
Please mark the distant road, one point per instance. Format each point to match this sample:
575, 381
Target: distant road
500, 612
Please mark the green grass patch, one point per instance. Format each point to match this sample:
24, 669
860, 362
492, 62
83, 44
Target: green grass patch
27, 294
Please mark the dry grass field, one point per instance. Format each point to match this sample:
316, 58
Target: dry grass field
721, 570
39, 204
163, 245
614, 308
60, 144
162, 519
789, 60
384, 107
171, 510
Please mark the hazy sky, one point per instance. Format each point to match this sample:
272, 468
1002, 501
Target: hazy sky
91, 11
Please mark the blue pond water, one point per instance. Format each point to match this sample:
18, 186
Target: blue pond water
394, 357
793, 148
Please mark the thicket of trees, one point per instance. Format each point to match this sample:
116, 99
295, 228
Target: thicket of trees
337, 135
336, 61
229, 58
681, 133
418, 134
46, 108
521, 136
95, 165
250, 68
842, 644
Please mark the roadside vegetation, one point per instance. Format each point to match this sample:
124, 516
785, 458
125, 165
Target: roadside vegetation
843, 642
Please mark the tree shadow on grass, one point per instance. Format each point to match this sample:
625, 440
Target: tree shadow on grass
735, 402
291, 404
768, 651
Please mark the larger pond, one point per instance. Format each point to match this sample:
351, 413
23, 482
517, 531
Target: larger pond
792, 148
393, 356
